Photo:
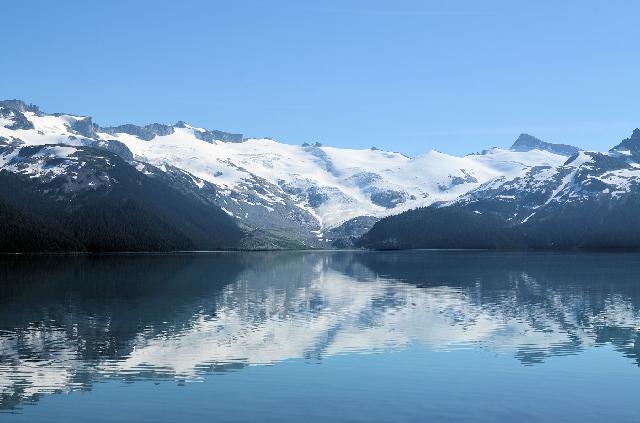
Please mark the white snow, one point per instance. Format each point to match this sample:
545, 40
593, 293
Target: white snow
345, 179
334, 171
36, 166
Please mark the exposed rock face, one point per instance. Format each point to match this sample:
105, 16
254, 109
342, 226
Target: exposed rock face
629, 145
210, 136
347, 234
113, 146
146, 133
85, 127
526, 142
388, 198
20, 106
16, 118
316, 197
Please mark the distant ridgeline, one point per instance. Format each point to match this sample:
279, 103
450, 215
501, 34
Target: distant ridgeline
68, 184
592, 201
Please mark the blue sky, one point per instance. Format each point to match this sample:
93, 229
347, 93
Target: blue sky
409, 76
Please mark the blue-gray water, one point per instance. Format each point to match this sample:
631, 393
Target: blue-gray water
326, 336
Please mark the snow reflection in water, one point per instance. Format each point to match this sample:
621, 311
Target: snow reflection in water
66, 323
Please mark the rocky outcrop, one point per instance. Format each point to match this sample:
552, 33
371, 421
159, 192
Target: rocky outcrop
526, 142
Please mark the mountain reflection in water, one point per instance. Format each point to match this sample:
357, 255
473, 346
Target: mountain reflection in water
69, 322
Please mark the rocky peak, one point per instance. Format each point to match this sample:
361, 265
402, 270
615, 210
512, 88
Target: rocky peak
147, 132
526, 142
631, 144
85, 127
210, 136
17, 119
19, 106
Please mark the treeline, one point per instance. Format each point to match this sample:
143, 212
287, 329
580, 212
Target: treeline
138, 213
589, 225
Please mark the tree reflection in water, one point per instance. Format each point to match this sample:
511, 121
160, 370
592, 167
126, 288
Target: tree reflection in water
67, 322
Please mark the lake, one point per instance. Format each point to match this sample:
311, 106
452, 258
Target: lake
321, 336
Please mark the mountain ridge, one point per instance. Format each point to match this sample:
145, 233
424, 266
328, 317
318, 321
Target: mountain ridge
591, 201
526, 142
314, 196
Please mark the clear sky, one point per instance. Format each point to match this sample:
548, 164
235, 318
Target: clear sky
409, 76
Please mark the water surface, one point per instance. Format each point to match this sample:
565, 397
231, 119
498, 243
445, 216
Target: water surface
320, 336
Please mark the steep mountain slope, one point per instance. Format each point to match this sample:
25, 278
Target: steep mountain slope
526, 142
75, 198
306, 195
591, 201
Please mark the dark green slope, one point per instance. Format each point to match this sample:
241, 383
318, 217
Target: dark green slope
134, 212
589, 225
591, 202
439, 228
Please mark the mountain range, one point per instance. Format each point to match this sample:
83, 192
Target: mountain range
69, 184
590, 201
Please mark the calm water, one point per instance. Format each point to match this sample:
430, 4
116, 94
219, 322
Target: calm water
291, 337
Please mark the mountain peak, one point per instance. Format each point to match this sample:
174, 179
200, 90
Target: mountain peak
210, 135
19, 105
526, 142
631, 144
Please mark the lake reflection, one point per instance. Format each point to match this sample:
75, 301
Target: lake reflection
67, 323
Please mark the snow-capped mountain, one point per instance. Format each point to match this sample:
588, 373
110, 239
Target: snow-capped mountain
591, 200
305, 193
77, 198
